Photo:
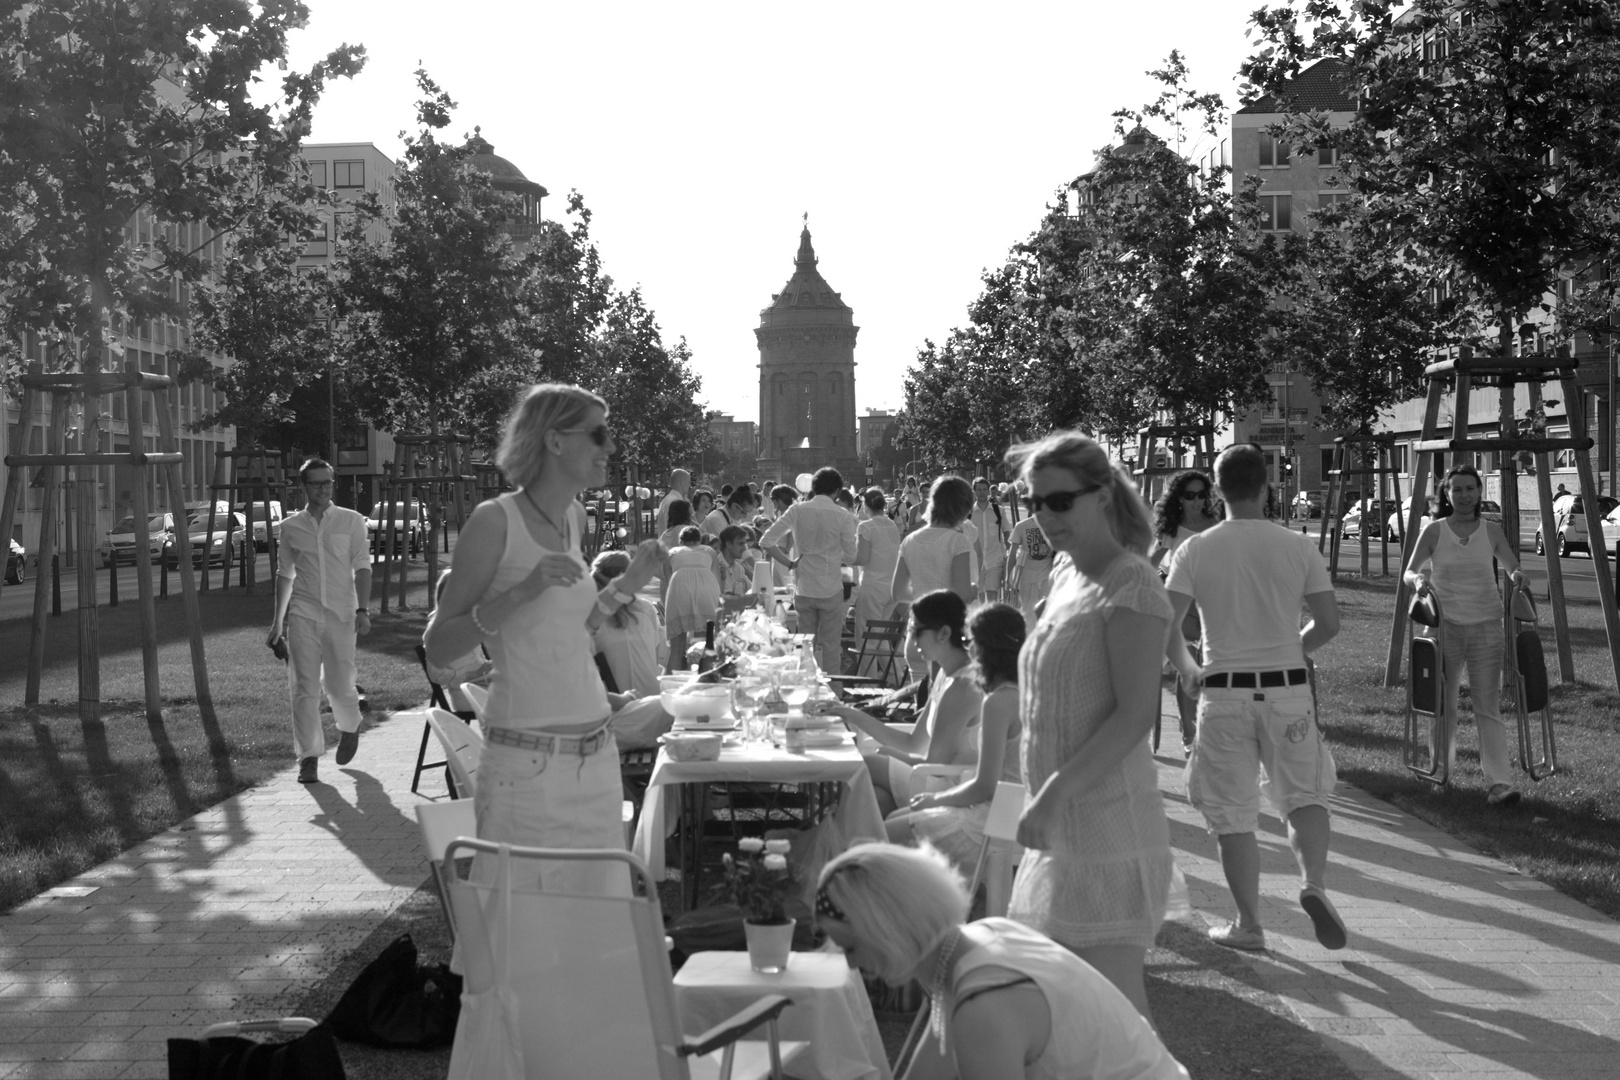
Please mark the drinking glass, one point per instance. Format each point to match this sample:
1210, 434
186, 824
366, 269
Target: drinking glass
795, 691
746, 694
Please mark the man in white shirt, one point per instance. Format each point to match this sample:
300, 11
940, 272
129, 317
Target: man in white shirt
824, 536
1257, 702
680, 483
991, 545
322, 591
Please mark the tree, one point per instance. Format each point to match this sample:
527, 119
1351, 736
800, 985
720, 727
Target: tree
1156, 296
272, 321
1486, 150
113, 108
650, 389
436, 320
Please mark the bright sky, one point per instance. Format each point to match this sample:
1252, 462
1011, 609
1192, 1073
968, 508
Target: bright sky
923, 139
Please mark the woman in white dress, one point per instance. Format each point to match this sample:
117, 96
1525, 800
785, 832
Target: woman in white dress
691, 593
938, 556
876, 555
521, 589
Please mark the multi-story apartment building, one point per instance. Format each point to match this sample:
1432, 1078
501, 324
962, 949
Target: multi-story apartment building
1294, 185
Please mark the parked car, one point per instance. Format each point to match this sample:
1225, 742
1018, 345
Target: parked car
211, 544
1569, 522
119, 543
1395, 524
1308, 504
1375, 511
16, 564
254, 512
409, 527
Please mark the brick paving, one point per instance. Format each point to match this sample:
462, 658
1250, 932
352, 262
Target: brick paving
227, 916
1457, 965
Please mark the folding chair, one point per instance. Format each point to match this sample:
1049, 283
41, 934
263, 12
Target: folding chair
438, 701
478, 696
882, 643
462, 747
441, 823
617, 1016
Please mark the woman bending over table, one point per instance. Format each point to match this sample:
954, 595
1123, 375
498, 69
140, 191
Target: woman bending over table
1006, 1001
691, 592
1097, 872
549, 774
953, 819
945, 733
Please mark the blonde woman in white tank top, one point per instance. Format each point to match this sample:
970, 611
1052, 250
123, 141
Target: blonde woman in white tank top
549, 774
1459, 547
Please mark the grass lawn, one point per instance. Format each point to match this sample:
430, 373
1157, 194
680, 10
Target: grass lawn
1566, 831
75, 795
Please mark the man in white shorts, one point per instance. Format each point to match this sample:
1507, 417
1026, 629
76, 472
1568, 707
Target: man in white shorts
1257, 706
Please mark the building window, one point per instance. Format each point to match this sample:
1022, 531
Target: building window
1274, 212
1327, 155
317, 173
1273, 151
1327, 199
348, 174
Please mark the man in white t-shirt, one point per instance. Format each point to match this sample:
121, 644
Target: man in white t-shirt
824, 540
1257, 705
680, 485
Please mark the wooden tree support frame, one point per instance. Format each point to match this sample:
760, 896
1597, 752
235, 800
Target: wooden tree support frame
88, 388
1466, 370
259, 485
401, 483
1366, 445
1173, 438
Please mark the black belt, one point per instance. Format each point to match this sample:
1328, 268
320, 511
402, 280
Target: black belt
1248, 680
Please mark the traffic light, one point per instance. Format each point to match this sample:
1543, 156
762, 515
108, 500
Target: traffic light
1287, 467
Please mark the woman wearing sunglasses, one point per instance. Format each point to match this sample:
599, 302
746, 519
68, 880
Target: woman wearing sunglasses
1186, 508
1006, 1001
549, 772
1097, 873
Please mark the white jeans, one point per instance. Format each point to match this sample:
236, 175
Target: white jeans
1479, 647
320, 654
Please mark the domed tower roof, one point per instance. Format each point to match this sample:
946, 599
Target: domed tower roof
504, 175
806, 299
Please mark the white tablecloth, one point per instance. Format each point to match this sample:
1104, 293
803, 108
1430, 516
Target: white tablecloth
857, 814
830, 1009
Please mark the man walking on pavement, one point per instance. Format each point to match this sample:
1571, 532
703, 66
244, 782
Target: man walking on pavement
1257, 705
322, 591
824, 538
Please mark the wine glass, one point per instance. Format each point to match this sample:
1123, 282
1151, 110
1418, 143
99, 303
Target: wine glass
795, 691
746, 694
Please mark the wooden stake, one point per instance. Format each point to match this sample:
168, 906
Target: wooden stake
143, 557
188, 580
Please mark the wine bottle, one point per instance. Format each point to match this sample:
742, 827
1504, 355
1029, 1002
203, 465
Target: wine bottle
709, 658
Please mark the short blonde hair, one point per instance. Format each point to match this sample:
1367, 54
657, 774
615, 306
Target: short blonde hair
1128, 516
899, 901
545, 407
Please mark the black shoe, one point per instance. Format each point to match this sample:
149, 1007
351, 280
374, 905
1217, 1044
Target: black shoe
306, 771
348, 743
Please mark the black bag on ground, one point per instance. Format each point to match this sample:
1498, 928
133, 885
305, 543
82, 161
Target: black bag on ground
311, 1056
396, 1002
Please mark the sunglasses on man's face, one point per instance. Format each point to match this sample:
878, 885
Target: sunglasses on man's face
1059, 502
600, 434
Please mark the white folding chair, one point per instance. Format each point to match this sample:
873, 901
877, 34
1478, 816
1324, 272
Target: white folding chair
591, 975
1000, 852
477, 696
441, 823
462, 747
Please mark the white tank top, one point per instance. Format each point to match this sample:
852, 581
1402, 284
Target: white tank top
544, 662
1463, 578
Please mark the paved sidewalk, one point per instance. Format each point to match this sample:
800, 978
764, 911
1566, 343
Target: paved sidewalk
1457, 966
227, 916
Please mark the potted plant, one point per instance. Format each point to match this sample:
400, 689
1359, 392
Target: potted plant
760, 882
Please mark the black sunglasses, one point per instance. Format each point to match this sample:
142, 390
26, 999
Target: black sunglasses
600, 434
1195, 494
1059, 502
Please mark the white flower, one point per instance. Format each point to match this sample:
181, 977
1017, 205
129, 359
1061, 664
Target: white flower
776, 862
751, 844
778, 847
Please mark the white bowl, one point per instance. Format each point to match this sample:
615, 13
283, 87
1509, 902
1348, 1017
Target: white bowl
692, 745
705, 701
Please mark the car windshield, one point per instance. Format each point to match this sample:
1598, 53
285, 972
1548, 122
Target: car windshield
399, 510
127, 525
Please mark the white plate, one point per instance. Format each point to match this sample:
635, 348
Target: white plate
699, 725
